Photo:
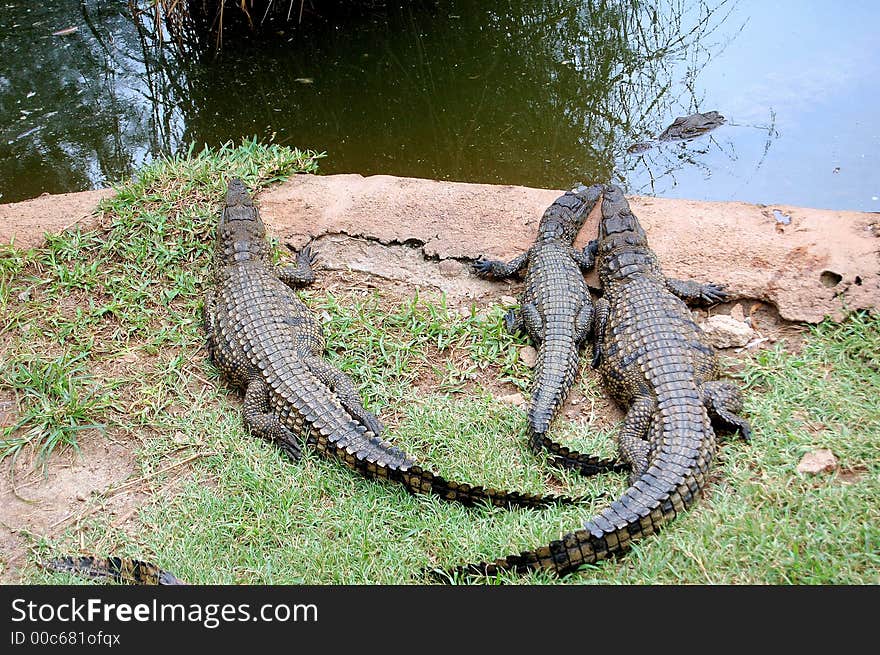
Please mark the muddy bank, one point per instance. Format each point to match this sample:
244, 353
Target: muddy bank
807, 263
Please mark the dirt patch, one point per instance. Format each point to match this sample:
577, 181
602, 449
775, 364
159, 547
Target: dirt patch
25, 223
37, 501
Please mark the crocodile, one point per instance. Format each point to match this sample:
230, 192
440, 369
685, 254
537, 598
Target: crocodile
684, 128
116, 569
266, 341
656, 363
557, 312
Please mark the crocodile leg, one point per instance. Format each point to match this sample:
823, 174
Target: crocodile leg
493, 269
583, 324
694, 292
340, 384
632, 442
300, 274
587, 257
533, 322
600, 321
724, 401
513, 321
263, 423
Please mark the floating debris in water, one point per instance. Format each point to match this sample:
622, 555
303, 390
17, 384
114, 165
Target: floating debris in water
305, 80
28, 133
66, 30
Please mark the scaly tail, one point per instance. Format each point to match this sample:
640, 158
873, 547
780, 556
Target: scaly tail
565, 457
374, 457
118, 569
419, 480
667, 487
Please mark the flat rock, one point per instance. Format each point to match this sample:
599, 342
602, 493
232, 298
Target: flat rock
821, 263
817, 461
528, 356
516, 399
737, 313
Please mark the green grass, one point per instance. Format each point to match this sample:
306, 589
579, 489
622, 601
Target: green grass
103, 328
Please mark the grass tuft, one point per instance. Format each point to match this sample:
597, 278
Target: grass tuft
58, 399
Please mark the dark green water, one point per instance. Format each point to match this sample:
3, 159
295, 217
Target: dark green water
543, 94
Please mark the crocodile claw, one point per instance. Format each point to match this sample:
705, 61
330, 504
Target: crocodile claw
307, 256
713, 293
483, 267
372, 423
292, 450
290, 447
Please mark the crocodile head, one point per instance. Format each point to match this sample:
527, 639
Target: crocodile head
565, 217
622, 244
619, 226
240, 234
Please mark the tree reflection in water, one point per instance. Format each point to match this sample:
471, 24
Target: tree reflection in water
542, 94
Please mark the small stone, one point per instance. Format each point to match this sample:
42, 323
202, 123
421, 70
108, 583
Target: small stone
528, 356
465, 312
725, 332
575, 401
450, 268
515, 399
817, 461
24, 296
736, 313
179, 437
325, 316
509, 301
80, 496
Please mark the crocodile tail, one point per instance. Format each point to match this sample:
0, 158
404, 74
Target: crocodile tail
607, 534
118, 569
555, 372
564, 457
419, 480
374, 457
669, 486
560, 557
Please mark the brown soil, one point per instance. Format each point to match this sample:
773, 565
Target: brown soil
35, 501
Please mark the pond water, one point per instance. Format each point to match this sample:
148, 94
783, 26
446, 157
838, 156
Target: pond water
543, 94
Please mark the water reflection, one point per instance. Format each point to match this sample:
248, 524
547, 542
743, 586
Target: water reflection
71, 106
542, 94
530, 93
